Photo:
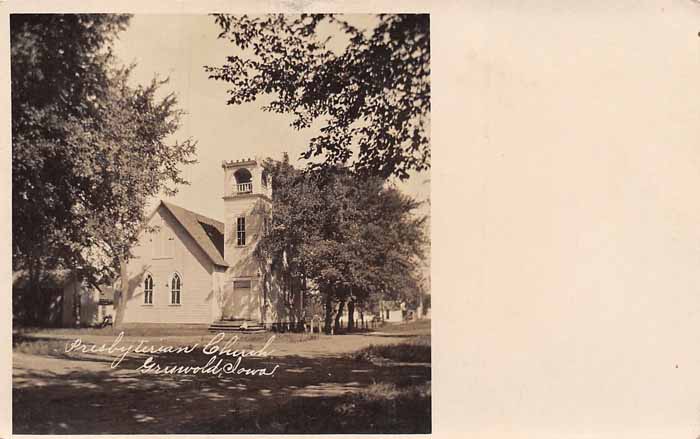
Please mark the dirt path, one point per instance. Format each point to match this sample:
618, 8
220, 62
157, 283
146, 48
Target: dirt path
56, 394
282, 345
325, 346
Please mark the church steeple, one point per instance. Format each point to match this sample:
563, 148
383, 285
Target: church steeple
247, 202
245, 177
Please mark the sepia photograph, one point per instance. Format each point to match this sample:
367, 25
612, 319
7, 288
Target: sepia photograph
221, 223
312, 217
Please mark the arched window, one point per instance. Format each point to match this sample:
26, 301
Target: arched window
244, 180
148, 290
175, 288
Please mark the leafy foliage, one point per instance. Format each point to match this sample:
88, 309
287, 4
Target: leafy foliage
372, 95
87, 148
354, 240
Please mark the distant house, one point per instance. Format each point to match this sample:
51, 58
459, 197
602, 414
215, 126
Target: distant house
397, 311
392, 311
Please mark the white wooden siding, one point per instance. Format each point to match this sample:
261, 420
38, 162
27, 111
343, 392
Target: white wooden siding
187, 259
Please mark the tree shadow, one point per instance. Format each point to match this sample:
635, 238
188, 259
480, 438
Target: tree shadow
305, 395
374, 334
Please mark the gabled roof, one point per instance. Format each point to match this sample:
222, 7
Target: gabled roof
208, 233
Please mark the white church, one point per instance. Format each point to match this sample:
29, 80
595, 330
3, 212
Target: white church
192, 269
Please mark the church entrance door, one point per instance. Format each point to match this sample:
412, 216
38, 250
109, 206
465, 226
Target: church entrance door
244, 303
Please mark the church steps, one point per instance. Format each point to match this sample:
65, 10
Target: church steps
236, 325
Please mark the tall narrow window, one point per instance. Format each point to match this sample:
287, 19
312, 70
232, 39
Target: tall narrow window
148, 290
175, 285
240, 231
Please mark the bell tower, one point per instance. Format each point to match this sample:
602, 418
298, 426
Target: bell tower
244, 178
247, 201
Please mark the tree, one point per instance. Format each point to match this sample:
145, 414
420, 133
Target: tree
372, 95
295, 203
353, 240
387, 246
88, 149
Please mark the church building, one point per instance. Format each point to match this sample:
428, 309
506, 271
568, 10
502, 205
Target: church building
193, 269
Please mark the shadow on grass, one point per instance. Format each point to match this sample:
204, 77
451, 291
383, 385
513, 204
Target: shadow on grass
344, 394
402, 352
392, 335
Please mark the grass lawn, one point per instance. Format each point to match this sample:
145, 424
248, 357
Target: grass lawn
417, 327
132, 330
357, 383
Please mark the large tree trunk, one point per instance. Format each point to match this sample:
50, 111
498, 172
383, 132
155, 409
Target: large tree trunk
120, 304
32, 296
76, 300
291, 302
351, 315
301, 315
304, 293
420, 304
341, 305
329, 314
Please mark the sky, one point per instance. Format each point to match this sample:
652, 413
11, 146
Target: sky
177, 47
